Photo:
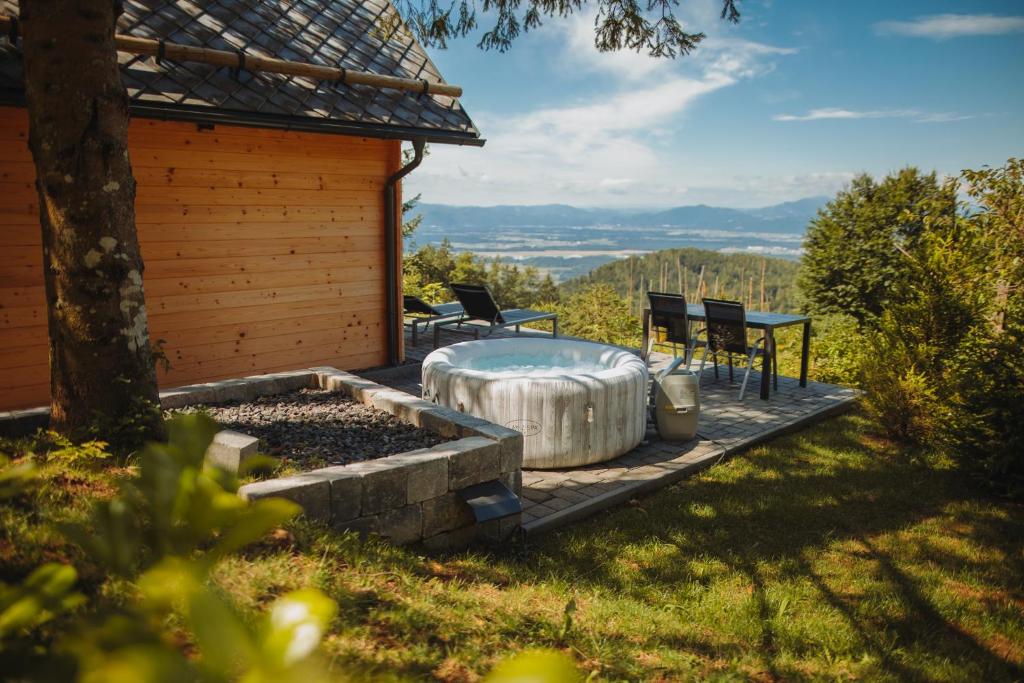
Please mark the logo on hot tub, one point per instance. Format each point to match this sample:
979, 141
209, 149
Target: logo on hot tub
527, 427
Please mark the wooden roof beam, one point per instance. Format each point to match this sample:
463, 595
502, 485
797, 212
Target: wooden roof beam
250, 62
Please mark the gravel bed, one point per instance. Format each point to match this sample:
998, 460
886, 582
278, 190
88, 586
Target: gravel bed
314, 427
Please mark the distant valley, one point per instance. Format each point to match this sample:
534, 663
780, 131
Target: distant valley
569, 241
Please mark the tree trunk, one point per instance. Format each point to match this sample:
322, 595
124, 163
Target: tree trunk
101, 363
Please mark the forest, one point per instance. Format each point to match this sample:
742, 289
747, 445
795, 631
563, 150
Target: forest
761, 283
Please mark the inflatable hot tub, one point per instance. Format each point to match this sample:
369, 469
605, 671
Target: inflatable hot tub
575, 402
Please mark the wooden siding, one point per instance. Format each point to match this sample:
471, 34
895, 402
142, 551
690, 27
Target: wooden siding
263, 251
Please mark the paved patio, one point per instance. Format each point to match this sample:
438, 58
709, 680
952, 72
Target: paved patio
552, 498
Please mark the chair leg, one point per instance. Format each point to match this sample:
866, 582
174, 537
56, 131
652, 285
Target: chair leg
703, 359
750, 366
715, 357
731, 380
554, 327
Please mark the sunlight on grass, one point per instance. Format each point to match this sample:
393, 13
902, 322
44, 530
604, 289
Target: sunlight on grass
815, 556
825, 554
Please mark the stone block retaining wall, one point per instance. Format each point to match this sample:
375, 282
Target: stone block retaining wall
407, 497
410, 496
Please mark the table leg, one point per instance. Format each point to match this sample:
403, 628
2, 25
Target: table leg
766, 364
805, 353
646, 337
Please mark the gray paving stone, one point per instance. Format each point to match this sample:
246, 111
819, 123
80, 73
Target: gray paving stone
571, 495
557, 504
346, 485
309, 490
402, 525
451, 540
472, 460
536, 495
427, 475
445, 513
229, 449
384, 489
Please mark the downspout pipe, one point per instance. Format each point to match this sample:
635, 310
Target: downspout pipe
391, 268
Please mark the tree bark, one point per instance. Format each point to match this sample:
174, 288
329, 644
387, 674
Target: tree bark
101, 364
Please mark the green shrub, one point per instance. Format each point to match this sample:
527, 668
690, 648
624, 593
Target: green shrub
942, 363
598, 313
899, 391
836, 349
164, 531
157, 542
986, 429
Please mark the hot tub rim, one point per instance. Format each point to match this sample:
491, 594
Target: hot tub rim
626, 362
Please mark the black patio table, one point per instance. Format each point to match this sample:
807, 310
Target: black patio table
769, 322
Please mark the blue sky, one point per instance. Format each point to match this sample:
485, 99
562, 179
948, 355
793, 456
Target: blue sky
790, 103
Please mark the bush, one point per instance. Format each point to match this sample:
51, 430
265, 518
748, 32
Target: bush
942, 364
986, 430
428, 272
902, 397
598, 313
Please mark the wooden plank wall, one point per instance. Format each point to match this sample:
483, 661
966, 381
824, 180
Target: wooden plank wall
263, 251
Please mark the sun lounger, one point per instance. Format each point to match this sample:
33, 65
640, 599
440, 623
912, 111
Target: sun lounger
422, 313
478, 305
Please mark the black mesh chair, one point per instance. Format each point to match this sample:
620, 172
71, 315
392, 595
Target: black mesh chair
727, 334
420, 313
668, 316
478, 304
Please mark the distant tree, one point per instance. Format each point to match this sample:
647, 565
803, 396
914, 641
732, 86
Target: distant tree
737, 276
620, 24
411, 223
598, 313
854, 255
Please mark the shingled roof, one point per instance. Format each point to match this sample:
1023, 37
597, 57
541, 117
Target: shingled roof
345, 33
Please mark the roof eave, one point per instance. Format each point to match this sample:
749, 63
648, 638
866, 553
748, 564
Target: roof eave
209, 115
302, 123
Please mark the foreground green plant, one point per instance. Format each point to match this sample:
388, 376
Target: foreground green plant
160, 541
173, 523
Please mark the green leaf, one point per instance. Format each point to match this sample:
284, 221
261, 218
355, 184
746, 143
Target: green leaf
258, 465
171, 582
536, 666
145, 663
113, 536
227, 645
45, 593
15, 478
191, 434
253, 522
295, 626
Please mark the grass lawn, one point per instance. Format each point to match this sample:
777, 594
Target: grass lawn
828, 554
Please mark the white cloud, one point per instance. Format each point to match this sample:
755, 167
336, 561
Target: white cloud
912, 114
944, 26
611, 147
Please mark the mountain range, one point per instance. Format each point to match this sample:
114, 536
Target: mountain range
789, 217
